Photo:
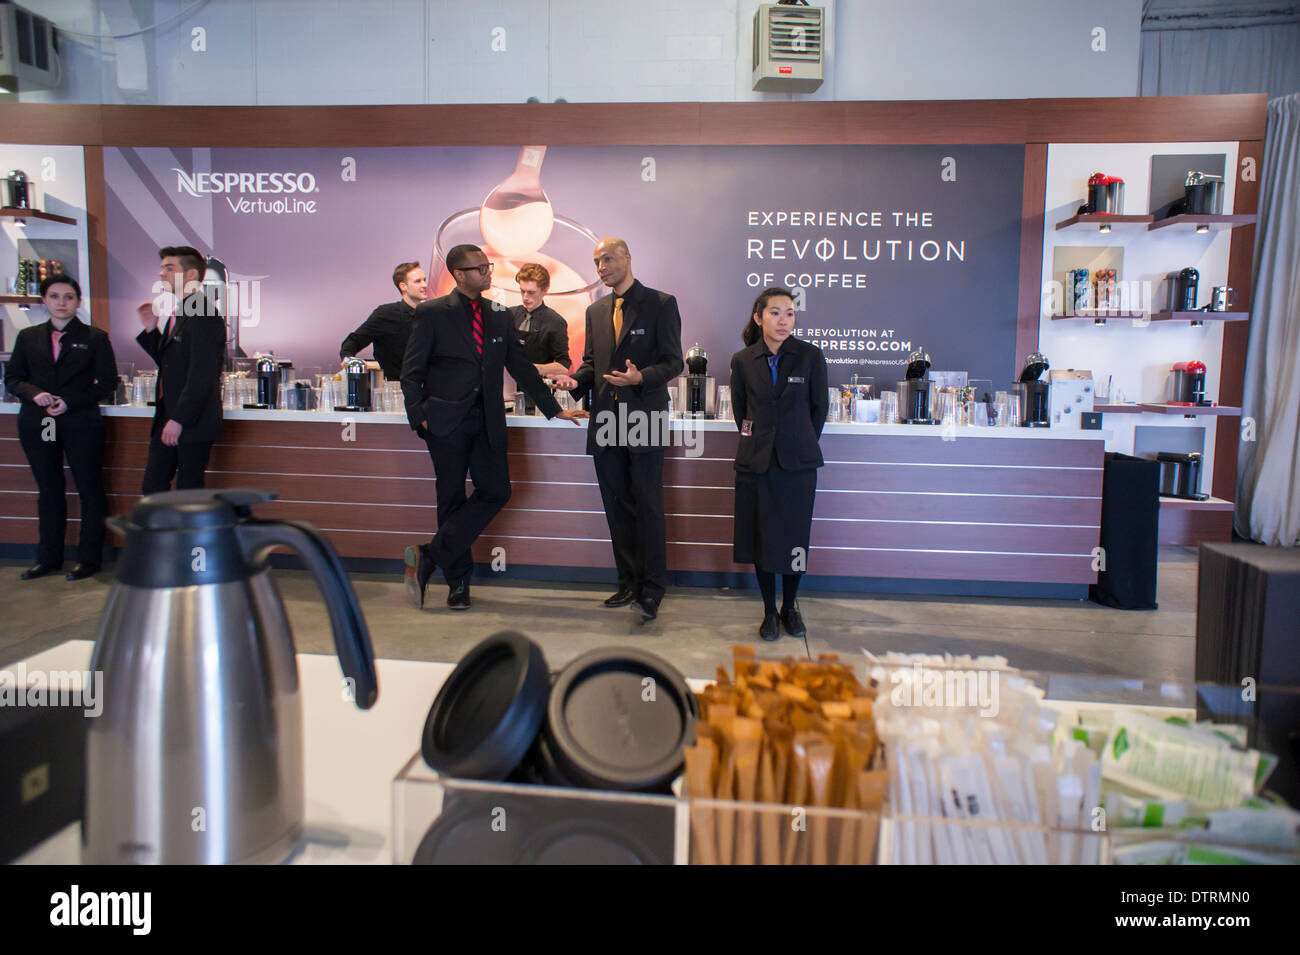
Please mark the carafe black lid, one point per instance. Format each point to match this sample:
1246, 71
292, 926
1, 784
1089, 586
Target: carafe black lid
196, 509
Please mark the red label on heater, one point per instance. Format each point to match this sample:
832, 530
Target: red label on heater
785, 69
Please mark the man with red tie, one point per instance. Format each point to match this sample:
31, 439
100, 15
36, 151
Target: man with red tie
460, 346
189, 350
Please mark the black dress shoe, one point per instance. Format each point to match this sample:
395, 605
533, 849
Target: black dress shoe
419, 568
39, 570
771, 628
792, 620
458, 598
647, 607
624, 597
82, 571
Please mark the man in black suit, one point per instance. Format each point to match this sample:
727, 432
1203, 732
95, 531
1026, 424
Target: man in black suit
389, 326
188, 351
544, 331
460, 346
61, 370
633, 349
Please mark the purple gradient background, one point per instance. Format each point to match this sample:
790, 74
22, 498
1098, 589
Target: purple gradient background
687, 231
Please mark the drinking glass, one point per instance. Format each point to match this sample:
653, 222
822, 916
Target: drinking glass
724, 402
889, 407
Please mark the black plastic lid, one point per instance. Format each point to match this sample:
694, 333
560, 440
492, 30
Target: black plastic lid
586, 842
464, 832
606, 729
197, 509
489, 710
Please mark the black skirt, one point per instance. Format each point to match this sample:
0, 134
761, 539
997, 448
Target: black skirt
773, 519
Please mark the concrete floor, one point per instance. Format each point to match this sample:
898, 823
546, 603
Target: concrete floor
696, 628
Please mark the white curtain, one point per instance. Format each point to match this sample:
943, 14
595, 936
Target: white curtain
1268, 500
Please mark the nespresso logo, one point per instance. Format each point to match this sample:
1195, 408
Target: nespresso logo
221, 183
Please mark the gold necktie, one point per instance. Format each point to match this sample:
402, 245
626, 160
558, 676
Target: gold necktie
618, 318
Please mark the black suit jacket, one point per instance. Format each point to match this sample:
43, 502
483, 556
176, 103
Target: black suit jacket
786, 419
388, 328
651, 338
547, 338
84, 375
443, 375
189, 371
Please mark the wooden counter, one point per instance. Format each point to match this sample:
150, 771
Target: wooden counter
906, 502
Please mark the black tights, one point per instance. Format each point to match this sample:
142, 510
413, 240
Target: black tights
767, 586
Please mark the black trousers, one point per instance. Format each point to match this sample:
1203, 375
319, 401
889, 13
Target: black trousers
632, 490
81, 441
186, 461
461, 518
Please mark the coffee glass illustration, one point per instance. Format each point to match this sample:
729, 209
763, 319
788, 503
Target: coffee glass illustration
566, 255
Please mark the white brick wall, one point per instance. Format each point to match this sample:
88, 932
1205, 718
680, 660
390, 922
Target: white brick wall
440, 51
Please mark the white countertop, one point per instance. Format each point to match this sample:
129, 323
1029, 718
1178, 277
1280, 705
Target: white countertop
677, 424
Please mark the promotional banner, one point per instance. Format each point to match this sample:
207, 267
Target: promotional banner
889, 248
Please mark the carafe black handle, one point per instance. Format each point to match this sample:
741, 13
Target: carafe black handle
351, 637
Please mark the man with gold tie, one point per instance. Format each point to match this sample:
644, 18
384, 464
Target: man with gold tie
633, 350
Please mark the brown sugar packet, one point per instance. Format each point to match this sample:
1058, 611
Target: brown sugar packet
796, 797
821, 760
726, 821
769, 845
700, 760
872, 787
748, 737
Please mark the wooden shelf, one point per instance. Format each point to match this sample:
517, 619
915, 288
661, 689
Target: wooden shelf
1093, 221
1200, 316
1191, 223
20, 300
35, 214
1091, 314
1190, 411
1182, 504
1117, 409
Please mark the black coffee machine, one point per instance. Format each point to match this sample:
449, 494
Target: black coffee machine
697, 383
268, 382
1032, 393
358, 378
1183, 290
914, 390
1180, 475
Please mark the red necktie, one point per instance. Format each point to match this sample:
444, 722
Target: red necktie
478, 326
54, 338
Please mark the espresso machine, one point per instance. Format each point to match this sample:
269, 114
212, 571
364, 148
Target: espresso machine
267, 370
698, 401
17, 194
914, 390
1183, 289
1180, 475
1189, 384
357, 375
1033, 393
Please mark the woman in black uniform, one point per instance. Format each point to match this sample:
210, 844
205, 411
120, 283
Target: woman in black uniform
62, 369
779, 401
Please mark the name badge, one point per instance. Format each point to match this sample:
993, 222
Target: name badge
637, 331
500, 338
81, 345
747, 428
794, 381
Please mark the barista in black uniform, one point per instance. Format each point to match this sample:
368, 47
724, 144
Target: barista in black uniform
62, 369
779, 400
389, 326
189, 351
543, 330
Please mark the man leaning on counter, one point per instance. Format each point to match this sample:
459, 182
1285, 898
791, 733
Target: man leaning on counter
389, 326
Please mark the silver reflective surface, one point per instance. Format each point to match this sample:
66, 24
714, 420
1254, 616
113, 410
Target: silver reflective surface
198, 754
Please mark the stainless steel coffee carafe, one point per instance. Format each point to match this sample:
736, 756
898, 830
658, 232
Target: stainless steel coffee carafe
197, 756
